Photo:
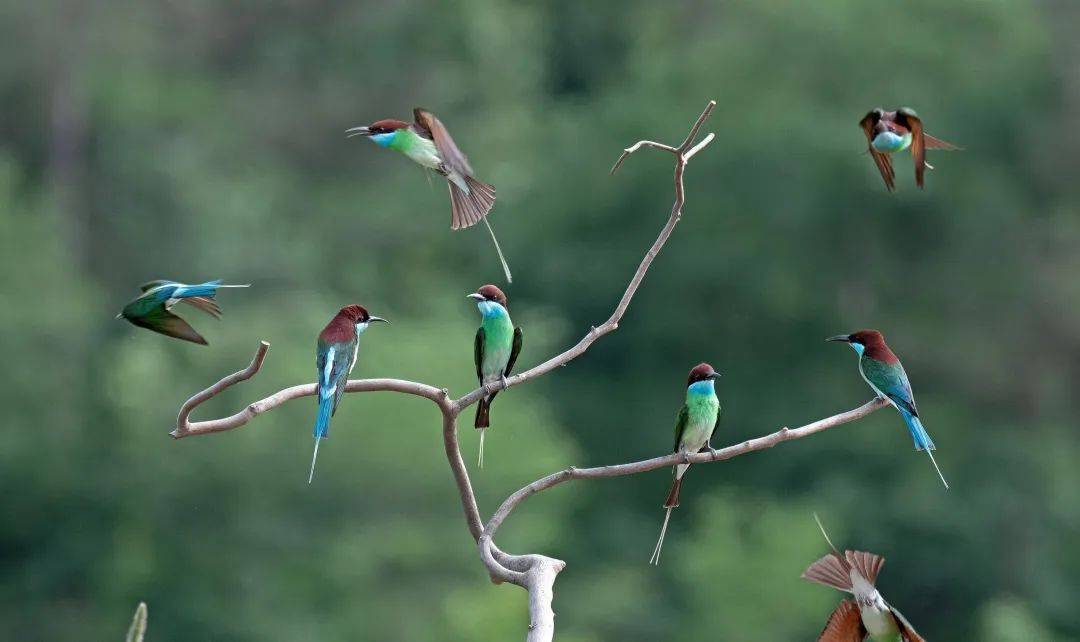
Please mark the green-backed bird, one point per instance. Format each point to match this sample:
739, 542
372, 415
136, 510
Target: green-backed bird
868, 614
880, 368
888, 132
495, 350
153, 308
335, 357
428, 144
694, 428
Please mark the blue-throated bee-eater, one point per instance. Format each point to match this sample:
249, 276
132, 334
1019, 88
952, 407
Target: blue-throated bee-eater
882, 370
426, 142
888, 132
694, 428
868, 614
495, 350
153, 308
335, 356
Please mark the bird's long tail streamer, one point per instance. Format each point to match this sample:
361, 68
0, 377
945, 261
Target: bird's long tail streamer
655, 559
502, 259
480, 459
311, 475
822, 527
931, 453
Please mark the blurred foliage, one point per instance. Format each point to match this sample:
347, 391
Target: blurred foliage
204, 139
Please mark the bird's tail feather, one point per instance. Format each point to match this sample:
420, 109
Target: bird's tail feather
480, 457
672, 500
483, 420
923, 441
498, 250
314, 456
321, 429
468, 206
208, 289
655, 559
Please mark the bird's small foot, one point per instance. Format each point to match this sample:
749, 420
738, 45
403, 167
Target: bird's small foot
713, 452
502, 380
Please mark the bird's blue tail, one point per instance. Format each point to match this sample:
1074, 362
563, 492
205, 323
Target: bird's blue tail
922, 440
208, 289
918, 433
322, 428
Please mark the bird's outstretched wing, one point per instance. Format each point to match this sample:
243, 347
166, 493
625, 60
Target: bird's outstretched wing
515, 349
882, 161
680, 425
907, 118
844, 625
892, 381
907, 632
451, 156
478, 353
937, 143
164, 322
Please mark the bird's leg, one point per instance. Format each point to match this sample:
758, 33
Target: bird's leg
502, 380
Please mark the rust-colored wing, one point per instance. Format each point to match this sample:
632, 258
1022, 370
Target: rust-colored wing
907, 118
452, 157
882, 161
907, 632
844, 625
205, 304
937, 143
867, 564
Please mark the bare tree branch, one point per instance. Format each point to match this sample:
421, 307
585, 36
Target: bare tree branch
535, 573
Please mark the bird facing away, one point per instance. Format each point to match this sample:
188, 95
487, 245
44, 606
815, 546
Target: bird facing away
694, 429
888, 132
426, 142
495, 350
153, 308
868, 614
880, 368
335, 356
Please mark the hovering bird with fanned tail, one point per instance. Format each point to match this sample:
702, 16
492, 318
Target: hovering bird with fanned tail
880, 368
153, 308
495, 351
335, 356
888, 132
868, 614
428, 144
694, 429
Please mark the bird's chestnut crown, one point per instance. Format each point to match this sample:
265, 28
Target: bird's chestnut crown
492, 293
386, 126
701, 372
356, 313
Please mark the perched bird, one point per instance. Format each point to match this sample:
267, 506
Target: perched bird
335, 356
495, 350
869, 614
428, 144
694, 429
888, 132
153, 308
881, 369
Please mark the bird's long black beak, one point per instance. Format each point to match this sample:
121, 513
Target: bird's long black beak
357, 131
715, 375
844, 338
377, 319
476, 296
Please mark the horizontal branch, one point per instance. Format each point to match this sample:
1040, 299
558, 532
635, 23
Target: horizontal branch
749, 446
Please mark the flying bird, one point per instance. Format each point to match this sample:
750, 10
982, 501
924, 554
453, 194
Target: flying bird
428, 144
868, 614
694, 429
153, 308
880, 368
888, 132
335, 356
495, 350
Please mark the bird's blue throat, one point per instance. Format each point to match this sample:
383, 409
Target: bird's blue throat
384, 140
858, 347
707, 387
491, 309
888, 142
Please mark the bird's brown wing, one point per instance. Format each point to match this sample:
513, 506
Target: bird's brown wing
937, 143
448, 150
205, 304
907, 632
167, 323
830, 570
882, 161
844, 625
907, 118
867, 564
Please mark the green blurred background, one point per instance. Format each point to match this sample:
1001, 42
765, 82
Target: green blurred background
198, 140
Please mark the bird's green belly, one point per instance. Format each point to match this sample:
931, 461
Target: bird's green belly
421, 150
700, 421
498, 340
